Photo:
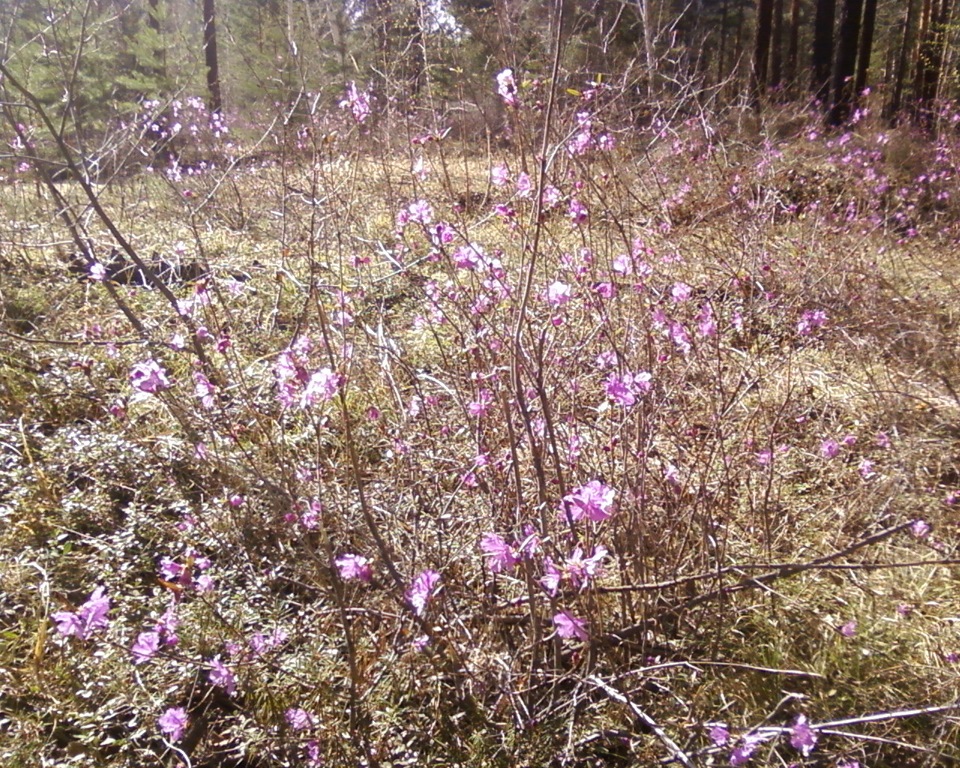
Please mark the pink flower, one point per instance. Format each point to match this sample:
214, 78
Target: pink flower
149, 377
422, 591
920, 529
352, 566
420, 212
321, 387
502, 557
204, 390
500, 176
299, 719
87, 619
524, 185
811, 320
624, 390
744, 751
829, 449
481, 405
577, 211
173, 723
569, 626
849, 629
358, 102
594, 500
507, 88
146, 646
802, 737
98, 272
680, 292
719, 735
222, 676
558, 294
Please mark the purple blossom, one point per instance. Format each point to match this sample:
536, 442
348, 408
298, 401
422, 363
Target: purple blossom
744, 750
802, 737
569, 626
593, 500
829, 449
920, 529
706, 323
98, 272
167, 625
810, 321
625, 390
321, 387
681, 292
524, 185
299, 719
173, 723
358, 102
577, 211
204, 390
849, 629
148, 376
502, 557
507, 88
351, 566
420, 212
558, 294
87, 619
719, 735
222, 676
260, 643
500, 175
422, 591
145, 647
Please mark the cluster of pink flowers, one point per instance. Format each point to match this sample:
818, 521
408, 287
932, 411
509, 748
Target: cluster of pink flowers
296, 385
358, 102
87, 619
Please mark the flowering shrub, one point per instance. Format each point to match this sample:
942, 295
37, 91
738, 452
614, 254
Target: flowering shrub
410, 466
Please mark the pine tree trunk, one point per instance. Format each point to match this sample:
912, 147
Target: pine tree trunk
793, 48
847, 44
823, 49
930, 58
903, 62
776, 47
866, 46
761, 52
210, 55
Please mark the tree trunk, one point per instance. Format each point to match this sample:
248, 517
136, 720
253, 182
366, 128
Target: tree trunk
930, 58
793, 48
761, 52
722, 55
776, 47
823, 49
847, 44
210, 55
903, 61
866, 46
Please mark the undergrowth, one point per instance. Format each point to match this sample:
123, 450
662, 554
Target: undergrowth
650, 456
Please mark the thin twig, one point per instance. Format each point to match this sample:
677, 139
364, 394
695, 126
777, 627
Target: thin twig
678, 754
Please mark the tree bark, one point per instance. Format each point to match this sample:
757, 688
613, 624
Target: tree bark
823, 49
847, 44
866, 46
930, 58
210, 55
761, 52
793, 47
903, 62
776, 47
